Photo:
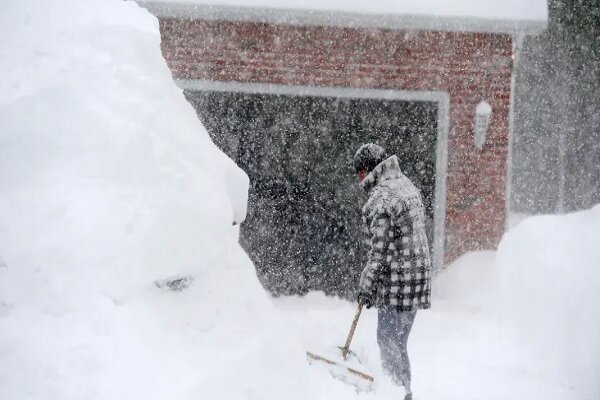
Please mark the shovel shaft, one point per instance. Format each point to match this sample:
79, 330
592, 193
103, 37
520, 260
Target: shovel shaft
346, 347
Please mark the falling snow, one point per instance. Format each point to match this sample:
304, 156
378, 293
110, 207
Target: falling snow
180, 217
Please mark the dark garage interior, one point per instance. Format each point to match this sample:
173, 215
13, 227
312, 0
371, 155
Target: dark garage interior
303, 226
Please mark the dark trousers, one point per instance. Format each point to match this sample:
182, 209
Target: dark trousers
393, 328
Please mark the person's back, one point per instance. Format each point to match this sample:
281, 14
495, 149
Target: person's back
397, 277
396, 209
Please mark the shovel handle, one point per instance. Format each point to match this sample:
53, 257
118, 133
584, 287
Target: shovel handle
346, 347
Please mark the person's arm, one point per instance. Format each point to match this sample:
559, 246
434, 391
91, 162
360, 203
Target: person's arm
379, 232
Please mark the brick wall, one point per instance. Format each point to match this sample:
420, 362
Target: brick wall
470, 66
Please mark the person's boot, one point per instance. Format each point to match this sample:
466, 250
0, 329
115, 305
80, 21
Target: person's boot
408, 396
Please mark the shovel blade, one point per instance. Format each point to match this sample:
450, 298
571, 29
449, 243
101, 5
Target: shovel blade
347, 374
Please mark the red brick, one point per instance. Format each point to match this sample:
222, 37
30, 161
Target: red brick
470, 66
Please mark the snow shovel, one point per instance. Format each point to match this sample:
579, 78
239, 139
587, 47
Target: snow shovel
337, 368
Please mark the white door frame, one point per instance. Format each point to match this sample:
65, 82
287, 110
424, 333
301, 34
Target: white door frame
440, 97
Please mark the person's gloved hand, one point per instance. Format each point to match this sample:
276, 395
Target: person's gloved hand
366, 299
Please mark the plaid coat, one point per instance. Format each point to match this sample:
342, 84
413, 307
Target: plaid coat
398, 269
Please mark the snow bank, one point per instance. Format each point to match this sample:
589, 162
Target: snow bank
108, 182
548, 269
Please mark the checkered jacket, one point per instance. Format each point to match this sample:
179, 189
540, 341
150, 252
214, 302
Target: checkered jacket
398, 269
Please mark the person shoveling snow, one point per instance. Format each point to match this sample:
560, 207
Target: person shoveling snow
397, 275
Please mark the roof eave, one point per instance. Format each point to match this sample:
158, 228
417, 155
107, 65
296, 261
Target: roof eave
341, 19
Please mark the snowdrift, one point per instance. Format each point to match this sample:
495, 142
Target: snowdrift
548, 272
108, 182
541, 291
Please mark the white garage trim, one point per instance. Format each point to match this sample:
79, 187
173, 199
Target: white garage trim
441, 98
517, 42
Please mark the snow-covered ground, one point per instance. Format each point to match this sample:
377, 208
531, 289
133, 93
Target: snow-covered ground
108, 182
519, 323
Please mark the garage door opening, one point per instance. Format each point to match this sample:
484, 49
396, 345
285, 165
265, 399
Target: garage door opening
303, 226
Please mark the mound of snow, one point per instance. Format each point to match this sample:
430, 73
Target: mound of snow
548, 269
109, 182
543, 287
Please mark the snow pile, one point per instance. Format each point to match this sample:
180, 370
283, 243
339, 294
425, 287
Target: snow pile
108, 182
541, 292
548, 269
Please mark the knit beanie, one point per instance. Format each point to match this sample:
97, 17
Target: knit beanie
368, 157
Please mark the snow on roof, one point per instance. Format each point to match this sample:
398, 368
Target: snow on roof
507, 16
